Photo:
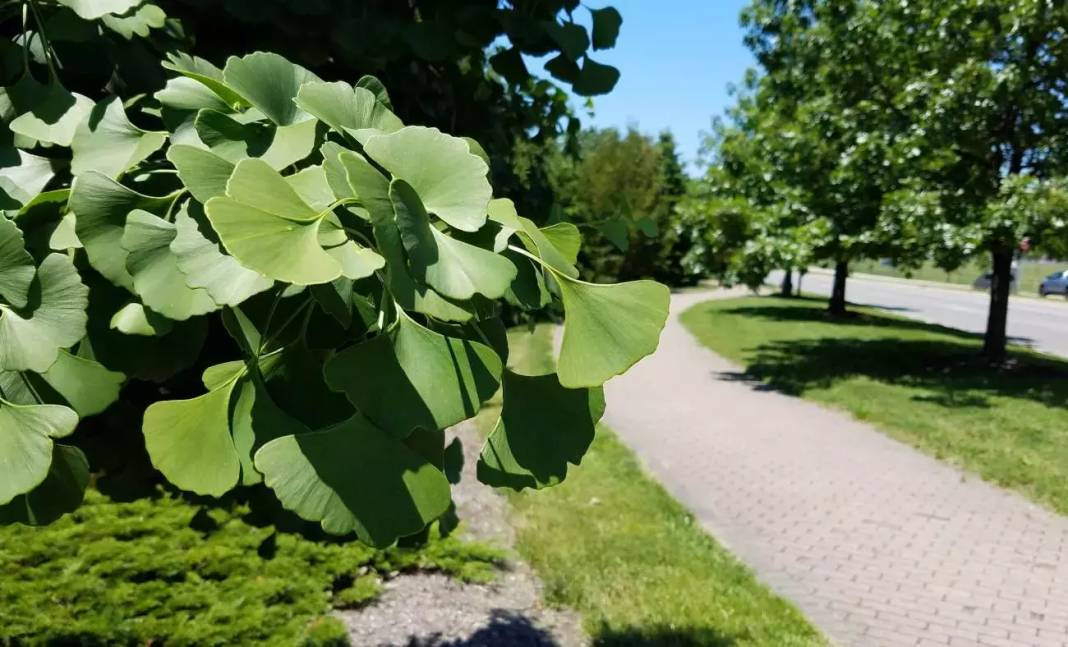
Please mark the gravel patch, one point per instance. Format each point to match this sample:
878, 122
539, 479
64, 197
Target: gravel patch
430, 609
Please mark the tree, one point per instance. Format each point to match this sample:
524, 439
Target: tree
293, 289
622, 191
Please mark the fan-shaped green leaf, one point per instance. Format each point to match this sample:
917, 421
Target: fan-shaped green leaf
595, 78
606, 24
52, 114
54, 318
100, 205
415, 377
353, 477
156, 276
204, 266
207, 74
20, 183
26, 433
61, 491
16, 265
313, 187
65, 236
265, 224
565, 238
203, 172
138, 23
184, 93
570, 37
454, 268
450, 180
608, 328
543, 427
345, 108
93, 9
108, 143
136, 319
189, 441
373, 191
270, 83
233, 137
376, 87
78, 382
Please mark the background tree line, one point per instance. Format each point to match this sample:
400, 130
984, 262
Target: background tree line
915, 132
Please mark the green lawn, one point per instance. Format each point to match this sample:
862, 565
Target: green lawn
1031, 274
921, 383
612, 544
166, 571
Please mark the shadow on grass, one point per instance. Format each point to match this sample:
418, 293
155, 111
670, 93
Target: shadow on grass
662, 637
946, 364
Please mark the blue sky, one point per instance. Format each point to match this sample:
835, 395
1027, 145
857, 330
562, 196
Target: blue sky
677, 58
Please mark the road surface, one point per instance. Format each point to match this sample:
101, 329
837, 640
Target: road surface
1041, 324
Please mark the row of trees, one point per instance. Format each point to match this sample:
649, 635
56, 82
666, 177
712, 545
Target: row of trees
895, 129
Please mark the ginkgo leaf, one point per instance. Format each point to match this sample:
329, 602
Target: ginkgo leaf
257, 420
312, 185
233, 137
189, 441
156, 276
270, 83
205, 266
539, 243
373, 191
52, 113
55, 318
450, 180
205, 73
16, 265
65, 236
344, 108
62, 491
370, 82
543, 427
265, 224
136, 319
93, 9
108, 143
26, 433
606, 24
184, 93
291, 144
100, 205
202, 172
353, 477
608, 328
565, 238
20, 183
414, 377
138, 23
81, 383
452, 267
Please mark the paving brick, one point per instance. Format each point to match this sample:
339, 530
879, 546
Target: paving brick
855, 528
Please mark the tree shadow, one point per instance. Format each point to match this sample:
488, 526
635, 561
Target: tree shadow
948, 369
663, 636
504, 628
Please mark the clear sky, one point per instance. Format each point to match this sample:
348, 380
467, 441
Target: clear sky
677, 58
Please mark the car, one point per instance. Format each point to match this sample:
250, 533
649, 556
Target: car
984, 281
1056, 283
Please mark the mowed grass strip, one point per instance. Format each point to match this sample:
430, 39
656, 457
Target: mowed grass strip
923, 384
612, 544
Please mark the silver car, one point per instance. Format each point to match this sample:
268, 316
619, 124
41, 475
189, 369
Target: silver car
1056, 283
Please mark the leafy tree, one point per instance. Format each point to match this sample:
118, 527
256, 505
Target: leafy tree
302, 289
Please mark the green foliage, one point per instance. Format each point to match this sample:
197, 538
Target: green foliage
623, 191
163, 570
613, 545
319, 265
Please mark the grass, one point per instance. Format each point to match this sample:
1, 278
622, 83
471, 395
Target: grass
167, 571
1031, 274
612, 544
920, 383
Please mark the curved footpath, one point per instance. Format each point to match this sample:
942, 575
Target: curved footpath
875, 542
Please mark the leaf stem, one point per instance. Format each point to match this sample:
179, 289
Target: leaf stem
29, 385
49, 52
285, 324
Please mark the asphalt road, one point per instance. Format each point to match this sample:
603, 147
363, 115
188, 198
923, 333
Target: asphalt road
1039, 323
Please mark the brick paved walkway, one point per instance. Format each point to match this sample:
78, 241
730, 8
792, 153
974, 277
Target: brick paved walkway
877, 543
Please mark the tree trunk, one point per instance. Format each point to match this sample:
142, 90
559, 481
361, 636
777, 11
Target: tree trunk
837, 304
998, 315
800, 277
787, 288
